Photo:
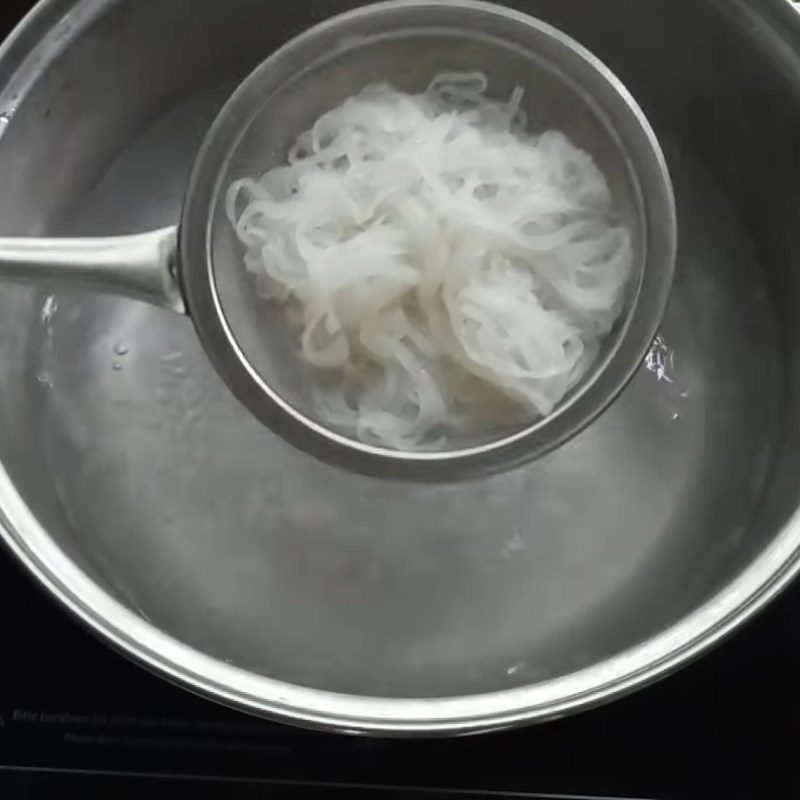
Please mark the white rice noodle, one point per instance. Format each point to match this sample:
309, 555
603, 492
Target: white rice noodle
445, 266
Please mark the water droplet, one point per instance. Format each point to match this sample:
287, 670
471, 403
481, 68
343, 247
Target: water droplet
675, 416
49, 309
5, 117
660, 359
121, 349
117, 366
516, 544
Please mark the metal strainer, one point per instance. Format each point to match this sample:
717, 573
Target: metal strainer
197, 268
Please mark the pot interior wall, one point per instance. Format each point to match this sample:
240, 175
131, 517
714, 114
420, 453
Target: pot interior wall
131, 452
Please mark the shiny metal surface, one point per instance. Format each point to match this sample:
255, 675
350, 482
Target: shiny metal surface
140, 266
139, 491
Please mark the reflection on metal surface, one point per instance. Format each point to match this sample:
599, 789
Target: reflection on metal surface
660, 359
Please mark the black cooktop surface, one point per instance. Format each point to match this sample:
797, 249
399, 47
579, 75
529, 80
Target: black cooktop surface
725, 726
75, 715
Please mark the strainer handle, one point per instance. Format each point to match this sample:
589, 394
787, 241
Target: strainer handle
141, 266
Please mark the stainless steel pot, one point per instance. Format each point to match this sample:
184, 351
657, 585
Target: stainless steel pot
139, 492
